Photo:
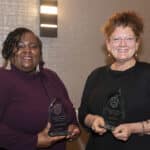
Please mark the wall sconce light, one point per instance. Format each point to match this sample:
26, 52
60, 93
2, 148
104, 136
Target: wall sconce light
48, 18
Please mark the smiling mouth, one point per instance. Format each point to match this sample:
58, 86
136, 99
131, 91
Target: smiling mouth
26, 58
122, 50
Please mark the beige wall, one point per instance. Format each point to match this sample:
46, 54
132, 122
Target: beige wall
78, 48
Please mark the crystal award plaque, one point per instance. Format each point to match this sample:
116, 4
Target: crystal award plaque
114, 110
58, 118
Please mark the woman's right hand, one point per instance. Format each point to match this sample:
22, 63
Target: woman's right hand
96, 123
44, 140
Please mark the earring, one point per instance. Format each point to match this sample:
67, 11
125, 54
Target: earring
38, 68
136, 55
108, 55
7, 65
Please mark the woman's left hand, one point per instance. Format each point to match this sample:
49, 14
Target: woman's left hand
73, 131
122, 132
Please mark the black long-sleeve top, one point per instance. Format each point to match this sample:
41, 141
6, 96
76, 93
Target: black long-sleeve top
135, 91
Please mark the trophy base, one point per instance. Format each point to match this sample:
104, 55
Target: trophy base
109, 127
58, 133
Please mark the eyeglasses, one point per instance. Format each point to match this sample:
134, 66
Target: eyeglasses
127, 40
22, 45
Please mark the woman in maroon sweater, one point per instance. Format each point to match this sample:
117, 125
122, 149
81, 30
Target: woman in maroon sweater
26, 92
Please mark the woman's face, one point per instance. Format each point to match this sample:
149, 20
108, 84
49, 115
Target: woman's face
27, 53
122, 44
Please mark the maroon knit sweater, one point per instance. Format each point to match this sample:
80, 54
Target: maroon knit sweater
24, 101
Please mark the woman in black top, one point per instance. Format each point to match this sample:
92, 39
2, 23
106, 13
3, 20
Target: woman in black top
115, 106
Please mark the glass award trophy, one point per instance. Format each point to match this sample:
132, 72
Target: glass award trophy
58, 118
114, 110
